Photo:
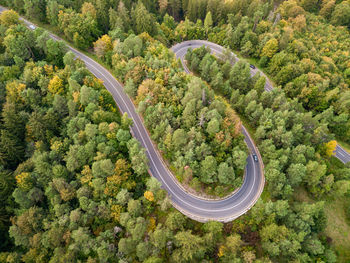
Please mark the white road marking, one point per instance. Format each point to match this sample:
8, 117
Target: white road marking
340, 153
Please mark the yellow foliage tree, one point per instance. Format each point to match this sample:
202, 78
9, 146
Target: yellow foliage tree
23, 180
152, 224
66, 191
290, 9
233, 242
75, 96
39, 145
122, 168
88, 9
121, 174
137, 72
270, 48
232, 122
57, 146
249, 256
163, 4
113, 127
221, 251
93, 82
9, 17
103, 45
330, 147
113, 184
56, 85
327, 8
86, 175
115, 212
149, 196
67, 194
263, 26
145, 89
13, 92
299, 23
49, 70
146, 37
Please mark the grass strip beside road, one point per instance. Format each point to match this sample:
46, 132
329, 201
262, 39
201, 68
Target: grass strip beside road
343, 144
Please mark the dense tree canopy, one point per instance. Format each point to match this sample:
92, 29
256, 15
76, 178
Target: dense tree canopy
74, 183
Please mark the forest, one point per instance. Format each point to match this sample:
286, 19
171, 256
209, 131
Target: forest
74, 183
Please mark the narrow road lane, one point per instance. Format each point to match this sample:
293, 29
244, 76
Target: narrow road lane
342, 154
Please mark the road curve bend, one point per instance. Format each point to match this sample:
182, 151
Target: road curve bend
199, 209
181, 49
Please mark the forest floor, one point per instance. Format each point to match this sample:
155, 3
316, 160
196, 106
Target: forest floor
345, 145
338, 227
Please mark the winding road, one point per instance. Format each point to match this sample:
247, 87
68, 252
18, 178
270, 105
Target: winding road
197, 208
181, 49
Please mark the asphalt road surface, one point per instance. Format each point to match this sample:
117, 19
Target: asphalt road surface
181, 49
197, 208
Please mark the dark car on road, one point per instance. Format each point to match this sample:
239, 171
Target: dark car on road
255, 158
252, 66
